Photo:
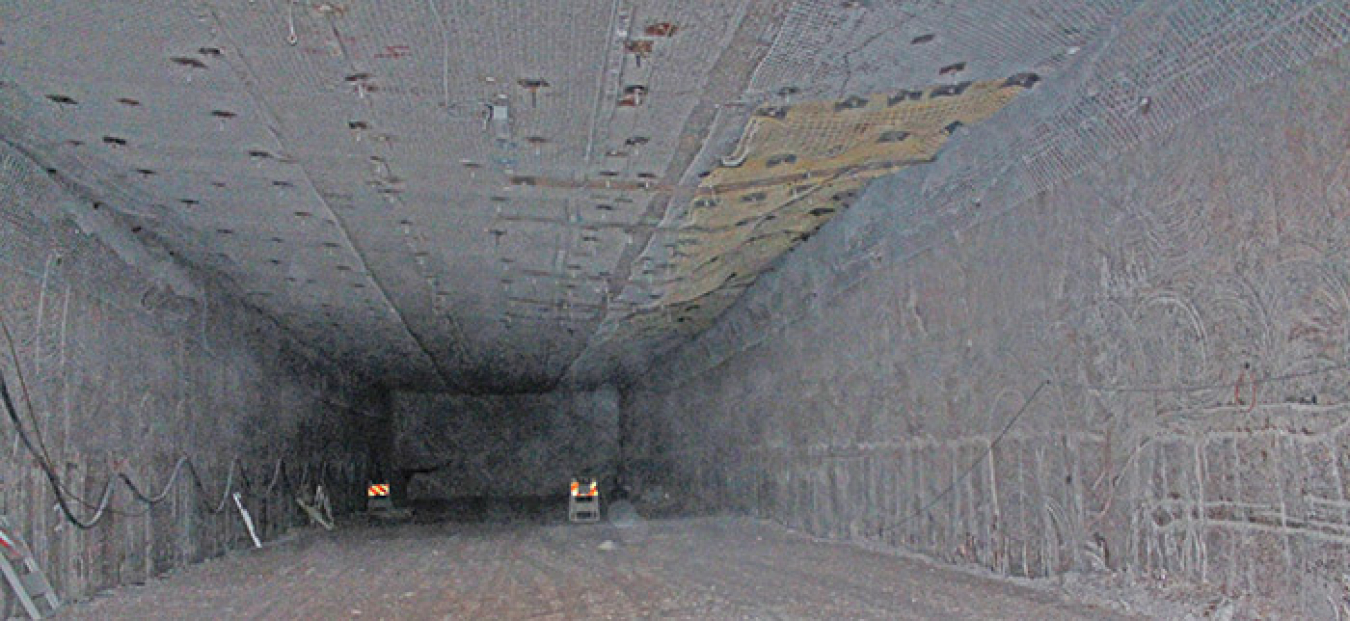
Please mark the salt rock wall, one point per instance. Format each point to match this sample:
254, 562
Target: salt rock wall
1143, 368
450, 445
130, 363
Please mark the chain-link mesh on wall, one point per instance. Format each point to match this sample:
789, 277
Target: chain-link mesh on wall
1138, 365
830, 49
1149, 70
1179, 60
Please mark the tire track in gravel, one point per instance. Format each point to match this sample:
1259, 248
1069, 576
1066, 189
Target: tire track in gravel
491, 572
716, 568
562, 559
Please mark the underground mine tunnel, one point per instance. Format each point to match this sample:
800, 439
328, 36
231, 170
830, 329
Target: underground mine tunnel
848, 309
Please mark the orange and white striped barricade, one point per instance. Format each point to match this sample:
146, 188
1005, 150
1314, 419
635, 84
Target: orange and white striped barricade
583, 503
377, 497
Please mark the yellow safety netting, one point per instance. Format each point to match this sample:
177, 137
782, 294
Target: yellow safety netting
798, 165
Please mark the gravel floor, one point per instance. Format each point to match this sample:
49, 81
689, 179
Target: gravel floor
712, 568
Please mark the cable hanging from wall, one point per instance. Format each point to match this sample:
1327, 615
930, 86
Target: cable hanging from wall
1026, 405
65, 497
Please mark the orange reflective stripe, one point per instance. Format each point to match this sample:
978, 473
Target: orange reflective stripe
591, 490
378, 490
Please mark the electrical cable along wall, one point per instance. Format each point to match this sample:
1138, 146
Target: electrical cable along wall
135, 406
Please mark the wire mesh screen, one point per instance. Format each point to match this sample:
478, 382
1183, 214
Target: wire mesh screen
1116, 74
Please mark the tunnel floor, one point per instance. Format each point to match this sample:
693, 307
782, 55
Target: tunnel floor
698, 568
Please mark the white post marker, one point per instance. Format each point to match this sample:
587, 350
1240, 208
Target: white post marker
248, 520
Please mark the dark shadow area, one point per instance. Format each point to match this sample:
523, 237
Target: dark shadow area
491, 509
544, 510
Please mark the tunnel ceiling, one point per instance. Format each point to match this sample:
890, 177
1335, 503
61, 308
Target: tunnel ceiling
504, 196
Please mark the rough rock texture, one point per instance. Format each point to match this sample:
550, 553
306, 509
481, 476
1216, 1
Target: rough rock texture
1197, 271
128, 368
705, 569
504, 445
